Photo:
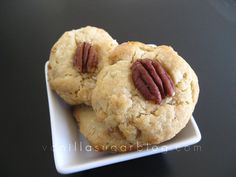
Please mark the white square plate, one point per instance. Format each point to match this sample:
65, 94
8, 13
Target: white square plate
72, 153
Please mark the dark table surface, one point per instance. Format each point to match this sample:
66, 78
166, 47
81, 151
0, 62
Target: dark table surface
203, 32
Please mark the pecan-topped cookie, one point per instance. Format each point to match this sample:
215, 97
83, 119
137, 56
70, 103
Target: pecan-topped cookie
145, 97
75, 60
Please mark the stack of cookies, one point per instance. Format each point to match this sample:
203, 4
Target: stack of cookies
139, 94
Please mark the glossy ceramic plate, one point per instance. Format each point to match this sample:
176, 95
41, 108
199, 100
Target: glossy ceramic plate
72, 153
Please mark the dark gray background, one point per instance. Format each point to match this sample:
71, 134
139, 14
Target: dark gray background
203, 32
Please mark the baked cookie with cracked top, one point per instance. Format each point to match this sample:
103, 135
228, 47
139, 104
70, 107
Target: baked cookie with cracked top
75, 60
146, 96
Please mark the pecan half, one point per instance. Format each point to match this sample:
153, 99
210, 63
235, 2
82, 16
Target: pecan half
151, 80
85, 59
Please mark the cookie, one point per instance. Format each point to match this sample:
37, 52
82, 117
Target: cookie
100, 136
122, 108
75, 60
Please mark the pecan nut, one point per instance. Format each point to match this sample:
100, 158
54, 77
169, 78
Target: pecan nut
85, 59
152, 80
